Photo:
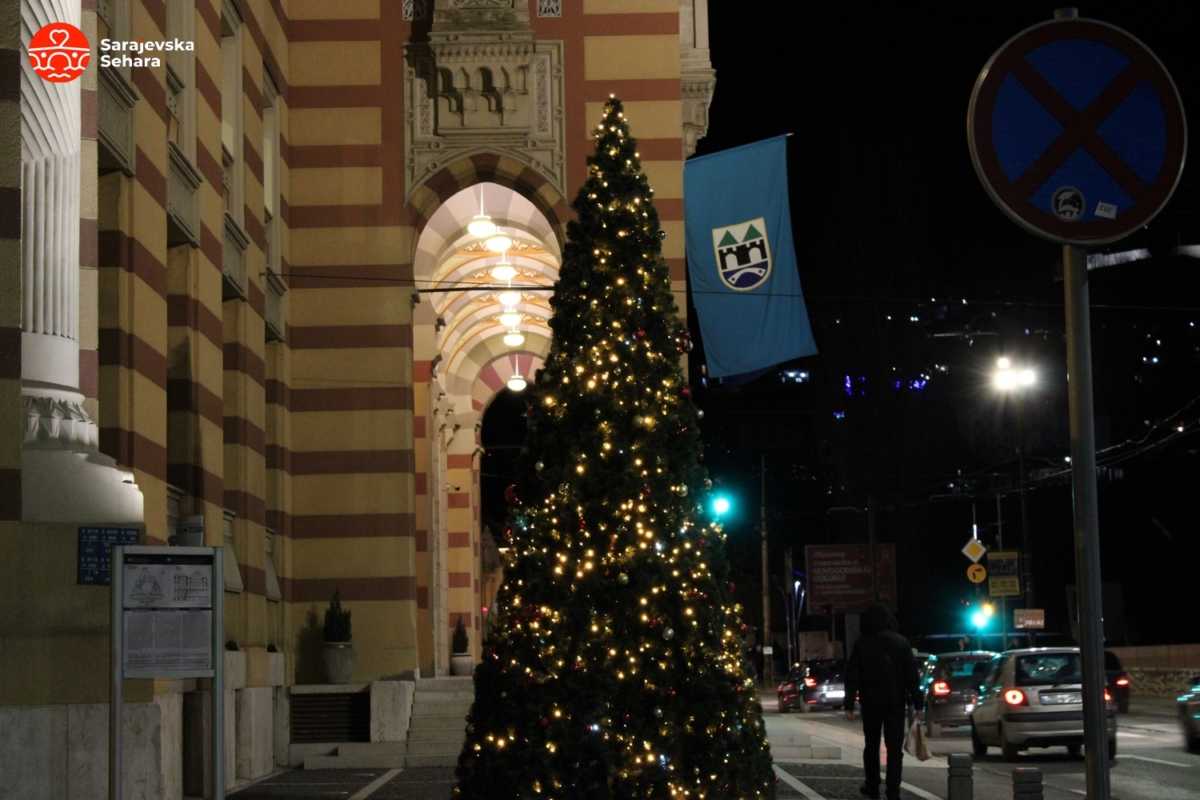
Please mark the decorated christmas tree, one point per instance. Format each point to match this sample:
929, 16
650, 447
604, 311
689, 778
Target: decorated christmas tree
614, 666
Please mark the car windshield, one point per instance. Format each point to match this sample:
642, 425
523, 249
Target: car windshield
959, 671
1045, 669
825, 670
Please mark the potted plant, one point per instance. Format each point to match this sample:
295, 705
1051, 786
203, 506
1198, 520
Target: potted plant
338, 651
460, 656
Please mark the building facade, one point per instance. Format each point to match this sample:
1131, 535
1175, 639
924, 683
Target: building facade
240, 306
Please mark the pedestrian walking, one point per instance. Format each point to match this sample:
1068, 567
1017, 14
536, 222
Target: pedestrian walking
882, 676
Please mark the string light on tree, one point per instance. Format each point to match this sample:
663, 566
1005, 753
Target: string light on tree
614, 662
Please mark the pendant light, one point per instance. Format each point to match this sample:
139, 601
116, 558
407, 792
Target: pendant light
481, 225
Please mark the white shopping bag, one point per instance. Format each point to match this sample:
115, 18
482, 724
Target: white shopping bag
915, 743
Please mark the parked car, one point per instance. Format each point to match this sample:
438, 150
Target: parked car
953, 689
1189, 715
813, 684
1034, 698
1119, 682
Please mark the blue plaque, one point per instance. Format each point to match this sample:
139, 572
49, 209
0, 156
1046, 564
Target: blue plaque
94, 560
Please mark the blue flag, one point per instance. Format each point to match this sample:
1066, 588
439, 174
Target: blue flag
740, 258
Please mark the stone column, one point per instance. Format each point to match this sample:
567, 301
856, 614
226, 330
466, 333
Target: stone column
50, 187
64, 477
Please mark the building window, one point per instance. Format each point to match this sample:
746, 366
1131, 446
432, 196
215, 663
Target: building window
231, 111
275, 285
549, 8
233, 573
415, 10
273, 592
181, 79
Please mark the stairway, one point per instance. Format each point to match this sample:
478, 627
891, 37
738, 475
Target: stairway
438, 723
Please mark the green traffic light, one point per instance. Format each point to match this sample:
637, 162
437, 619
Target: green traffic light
721, 505
979, 620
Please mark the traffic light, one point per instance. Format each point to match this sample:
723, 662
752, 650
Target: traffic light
721, 505
981, 615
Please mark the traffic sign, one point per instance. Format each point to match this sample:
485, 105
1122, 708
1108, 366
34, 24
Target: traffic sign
1029, 618
976, 573
1004, 579
1077, 131
974, 550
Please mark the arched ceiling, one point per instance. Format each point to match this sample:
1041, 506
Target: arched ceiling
449, 258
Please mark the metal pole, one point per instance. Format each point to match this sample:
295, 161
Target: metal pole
787, 605
768, 658
1026, 560
871, 548
1087, 518
218, 683
116, 700
1000, 546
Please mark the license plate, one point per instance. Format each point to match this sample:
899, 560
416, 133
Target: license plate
1060, 698
836, 693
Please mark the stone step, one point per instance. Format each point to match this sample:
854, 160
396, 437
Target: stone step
441, 760
438, 698
463, 684
447, 734
435, 748
383, 749
447, 712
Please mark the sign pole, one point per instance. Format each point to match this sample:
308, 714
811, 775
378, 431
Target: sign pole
767, 649
218, 683
116, 700
1087, 518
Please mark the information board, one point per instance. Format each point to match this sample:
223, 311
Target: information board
167, 614
93, 564
841, 576
1004, 578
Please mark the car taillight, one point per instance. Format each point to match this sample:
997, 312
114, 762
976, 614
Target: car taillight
810, 682
941, 688
787, 687
1107, 696
1014, 697
1122, 681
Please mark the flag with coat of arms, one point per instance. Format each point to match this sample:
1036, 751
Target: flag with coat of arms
741, 262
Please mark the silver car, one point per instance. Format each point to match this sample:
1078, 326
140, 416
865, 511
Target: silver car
1034, 698
1189, 715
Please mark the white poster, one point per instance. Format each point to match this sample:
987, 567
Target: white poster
167, 585
165, 643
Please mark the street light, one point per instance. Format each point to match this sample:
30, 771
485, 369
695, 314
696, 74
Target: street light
1015, 380
721, 505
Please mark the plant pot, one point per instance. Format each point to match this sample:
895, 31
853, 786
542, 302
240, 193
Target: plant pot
339, 661
461, 664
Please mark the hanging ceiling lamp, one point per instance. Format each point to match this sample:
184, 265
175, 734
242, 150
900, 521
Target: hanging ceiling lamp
514, 338
503, 270
509, 298
481, 225
517, 382
510, 319
498, 243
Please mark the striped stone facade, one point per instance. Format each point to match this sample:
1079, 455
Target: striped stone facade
272, 337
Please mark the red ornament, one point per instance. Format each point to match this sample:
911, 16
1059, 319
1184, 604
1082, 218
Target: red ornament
641, 333
686, 391
510, 495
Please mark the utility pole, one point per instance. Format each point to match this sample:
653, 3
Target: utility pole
789, 605
1003, 600
767, 650
1026, 560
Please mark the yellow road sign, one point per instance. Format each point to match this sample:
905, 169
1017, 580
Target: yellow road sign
974, 550
976, 573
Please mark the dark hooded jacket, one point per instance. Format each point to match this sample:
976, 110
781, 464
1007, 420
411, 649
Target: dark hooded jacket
882, 671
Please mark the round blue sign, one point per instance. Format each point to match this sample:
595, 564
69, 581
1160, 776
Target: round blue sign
1077, 131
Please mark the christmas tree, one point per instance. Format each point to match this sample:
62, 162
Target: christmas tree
614, 667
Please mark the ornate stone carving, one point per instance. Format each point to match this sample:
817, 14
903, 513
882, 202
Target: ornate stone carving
483, 84
698, 78
58, 422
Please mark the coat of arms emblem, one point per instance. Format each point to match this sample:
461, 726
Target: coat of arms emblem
743, 254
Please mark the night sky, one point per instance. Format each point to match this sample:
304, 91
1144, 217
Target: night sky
890, 220
888, 215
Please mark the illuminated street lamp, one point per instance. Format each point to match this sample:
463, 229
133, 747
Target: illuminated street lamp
1016, 380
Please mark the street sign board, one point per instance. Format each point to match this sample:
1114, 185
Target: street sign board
1077, 131
93, 563
974, 550
1004, 577
976, 573
1029, 618
840, 576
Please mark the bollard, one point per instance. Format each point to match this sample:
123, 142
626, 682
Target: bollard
960, 785
1027, 783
